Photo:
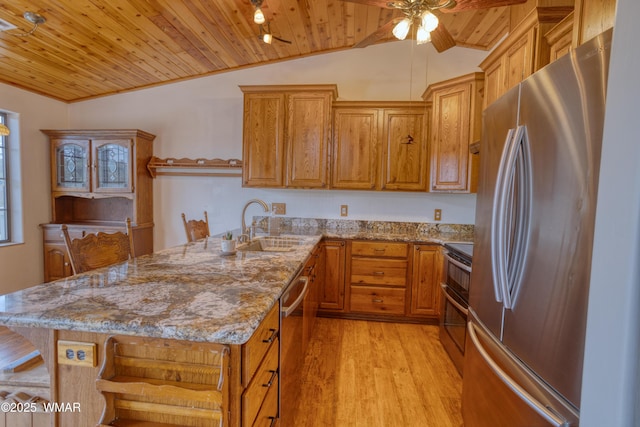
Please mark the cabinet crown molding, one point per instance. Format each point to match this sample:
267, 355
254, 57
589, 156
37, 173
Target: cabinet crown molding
97, 133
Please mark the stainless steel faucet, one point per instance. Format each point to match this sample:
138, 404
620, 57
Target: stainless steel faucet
246, 231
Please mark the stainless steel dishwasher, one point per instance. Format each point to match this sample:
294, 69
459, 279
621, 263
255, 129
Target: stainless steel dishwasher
292, 346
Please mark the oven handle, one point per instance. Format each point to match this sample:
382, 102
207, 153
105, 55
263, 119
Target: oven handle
457, 263
286, 311
453, 302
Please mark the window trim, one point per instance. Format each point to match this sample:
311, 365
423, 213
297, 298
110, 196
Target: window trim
4, 146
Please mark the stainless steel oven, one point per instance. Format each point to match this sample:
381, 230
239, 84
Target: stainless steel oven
455, 301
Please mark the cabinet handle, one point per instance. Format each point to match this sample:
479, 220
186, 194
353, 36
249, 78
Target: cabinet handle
378, 273
380, 250
274, 374
274, 334
377, 300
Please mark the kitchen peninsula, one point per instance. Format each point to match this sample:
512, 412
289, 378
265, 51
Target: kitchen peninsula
124, 341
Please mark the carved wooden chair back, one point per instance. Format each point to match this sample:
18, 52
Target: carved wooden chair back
98, 250
196, 229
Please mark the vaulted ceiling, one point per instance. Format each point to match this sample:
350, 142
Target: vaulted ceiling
92, 48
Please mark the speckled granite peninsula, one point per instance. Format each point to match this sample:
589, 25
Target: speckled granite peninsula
186, 335
192, 292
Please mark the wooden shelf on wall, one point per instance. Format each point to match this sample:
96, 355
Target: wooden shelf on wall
194, 167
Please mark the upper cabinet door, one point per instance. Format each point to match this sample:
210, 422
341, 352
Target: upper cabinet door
450, 147
405, 149
112, 166
263, 140
70, 171
307, 141
455, 124
355, 149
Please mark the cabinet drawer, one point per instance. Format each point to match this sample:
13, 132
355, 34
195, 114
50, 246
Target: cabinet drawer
254, 350
269, 410
380, 249
370, 299
375, 271
265, 379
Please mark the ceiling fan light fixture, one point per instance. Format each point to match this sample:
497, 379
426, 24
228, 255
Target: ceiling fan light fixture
429, 21
401, 29
267, 38
423, 36
258, 16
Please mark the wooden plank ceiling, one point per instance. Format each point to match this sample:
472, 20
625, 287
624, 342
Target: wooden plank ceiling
92, 48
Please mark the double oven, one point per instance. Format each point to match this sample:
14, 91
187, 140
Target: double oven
455, 301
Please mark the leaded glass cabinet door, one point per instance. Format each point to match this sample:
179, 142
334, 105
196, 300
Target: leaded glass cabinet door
112, 166
71, 170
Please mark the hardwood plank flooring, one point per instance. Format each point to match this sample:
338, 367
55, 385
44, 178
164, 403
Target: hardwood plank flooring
367, 374
13, 346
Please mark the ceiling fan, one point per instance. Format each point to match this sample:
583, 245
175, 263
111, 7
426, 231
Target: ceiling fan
422, 12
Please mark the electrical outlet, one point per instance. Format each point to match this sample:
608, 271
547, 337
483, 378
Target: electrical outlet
344, 210
437, 215
279, 208
77, 353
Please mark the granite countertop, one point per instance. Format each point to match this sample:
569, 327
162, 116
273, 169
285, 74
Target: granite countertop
193, 292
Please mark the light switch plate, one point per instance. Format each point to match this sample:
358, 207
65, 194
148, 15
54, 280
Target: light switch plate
77, 353
344, 210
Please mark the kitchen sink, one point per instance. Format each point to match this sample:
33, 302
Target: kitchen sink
270, 244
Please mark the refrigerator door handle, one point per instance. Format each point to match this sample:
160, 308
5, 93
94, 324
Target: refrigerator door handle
498, 262
522, 178
537, 406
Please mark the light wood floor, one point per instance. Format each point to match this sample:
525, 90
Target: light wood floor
369, 374
12, 346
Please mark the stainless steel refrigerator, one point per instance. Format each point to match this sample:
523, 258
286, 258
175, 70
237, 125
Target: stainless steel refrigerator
540, 157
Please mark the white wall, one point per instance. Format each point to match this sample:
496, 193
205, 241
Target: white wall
21, 264
203, 118
610, 392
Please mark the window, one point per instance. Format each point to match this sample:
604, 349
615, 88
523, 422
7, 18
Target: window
4, 185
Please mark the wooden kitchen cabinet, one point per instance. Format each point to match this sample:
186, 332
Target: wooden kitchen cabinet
380, 146
356, 146
98, 180
591, 18
521, 53
378, 277
456, 123
425, 282
260, 369
333, 274
404, 150
153, 381
286, 135
560, 38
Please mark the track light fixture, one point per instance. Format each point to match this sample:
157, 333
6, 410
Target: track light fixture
267, 36
258, 15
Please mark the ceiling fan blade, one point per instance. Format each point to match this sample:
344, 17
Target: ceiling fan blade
442, 39
479, 4
380, 33
378, 3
